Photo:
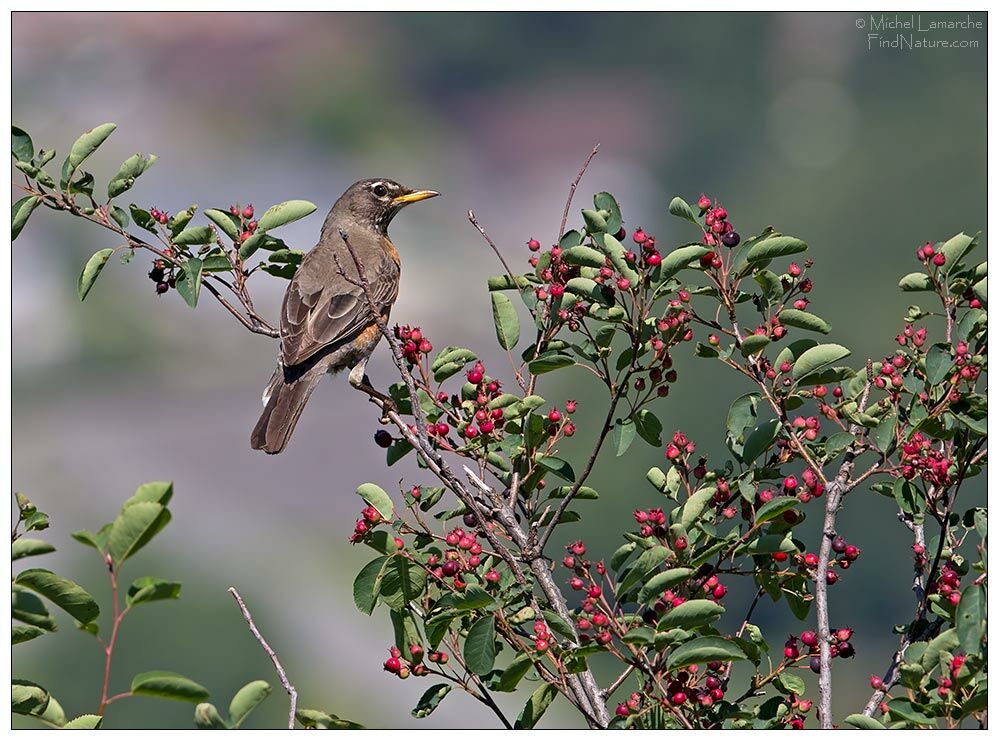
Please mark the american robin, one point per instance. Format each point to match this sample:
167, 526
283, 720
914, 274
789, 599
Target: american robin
326, 322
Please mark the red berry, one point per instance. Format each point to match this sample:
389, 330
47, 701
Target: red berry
809, 638
623, 284
533, 245
939, 259
703, 203
876, 682
392, 664
248, 212
639, 236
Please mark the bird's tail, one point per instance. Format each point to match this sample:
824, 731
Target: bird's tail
284, 400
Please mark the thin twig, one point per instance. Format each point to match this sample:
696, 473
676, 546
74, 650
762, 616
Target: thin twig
572, 191
288, 686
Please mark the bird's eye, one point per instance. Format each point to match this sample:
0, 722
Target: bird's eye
380, 190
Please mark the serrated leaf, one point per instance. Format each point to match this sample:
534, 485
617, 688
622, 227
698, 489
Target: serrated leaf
284, 213
134, 527
804, 320
189, 281
28, 608
168, 685
506, 321
65, 594
92, 270
480, 646
160, 492
84, 723
402, 582
27, 698
246, 699
130, 169
816, 358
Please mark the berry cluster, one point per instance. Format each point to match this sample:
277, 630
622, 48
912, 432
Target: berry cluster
485, 421
926, 254
247, 226
920, 458
163, 276
679, 450
414, 344
840, 647
402, 668
719, 229
948, 583
650, 253
464, 555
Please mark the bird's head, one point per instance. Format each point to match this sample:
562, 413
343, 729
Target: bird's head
377, 201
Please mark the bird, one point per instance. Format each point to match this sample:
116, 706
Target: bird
326, 321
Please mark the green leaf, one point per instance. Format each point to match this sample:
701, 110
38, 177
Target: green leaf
623, 434
62, 592
91, 270
168, 685
646, 562
377, 498
981, 289
84, 723
760, 439
946, 642
753, 344
775, 508
681, 209
28, 608
24, 547
24, 633
480, 646
956, 248
28, 698
473, 598
130, 169
512, 675
550, 362
135, 526
20, 212
557, 466
189, 281
691, 614
284, 213
938, 363
402, 582
224, 221
804, 320
773, 247
663, 581
21, 147
616, 252
606, 202
366, 585
319, 719
970, 619
430, 699
536, 706
816, 358
649, 427
899, 709
595, 223
586, 256
861, 721
151, 589
676, 260
884, 433
160, 492
506, 321
83, 147
246, 699
694, 505
704, 649
916, 282
207, 718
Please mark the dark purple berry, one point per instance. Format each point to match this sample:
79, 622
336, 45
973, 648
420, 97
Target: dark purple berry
731, 239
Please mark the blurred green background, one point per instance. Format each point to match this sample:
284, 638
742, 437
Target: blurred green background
788, 118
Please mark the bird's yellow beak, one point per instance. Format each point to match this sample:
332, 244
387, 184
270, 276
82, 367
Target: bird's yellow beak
416, 195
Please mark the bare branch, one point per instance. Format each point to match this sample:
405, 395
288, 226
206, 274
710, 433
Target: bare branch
289, 688
572, 191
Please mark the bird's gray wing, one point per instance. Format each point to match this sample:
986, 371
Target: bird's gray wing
322, 308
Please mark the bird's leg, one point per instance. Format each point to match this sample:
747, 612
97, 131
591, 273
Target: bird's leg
359, 380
